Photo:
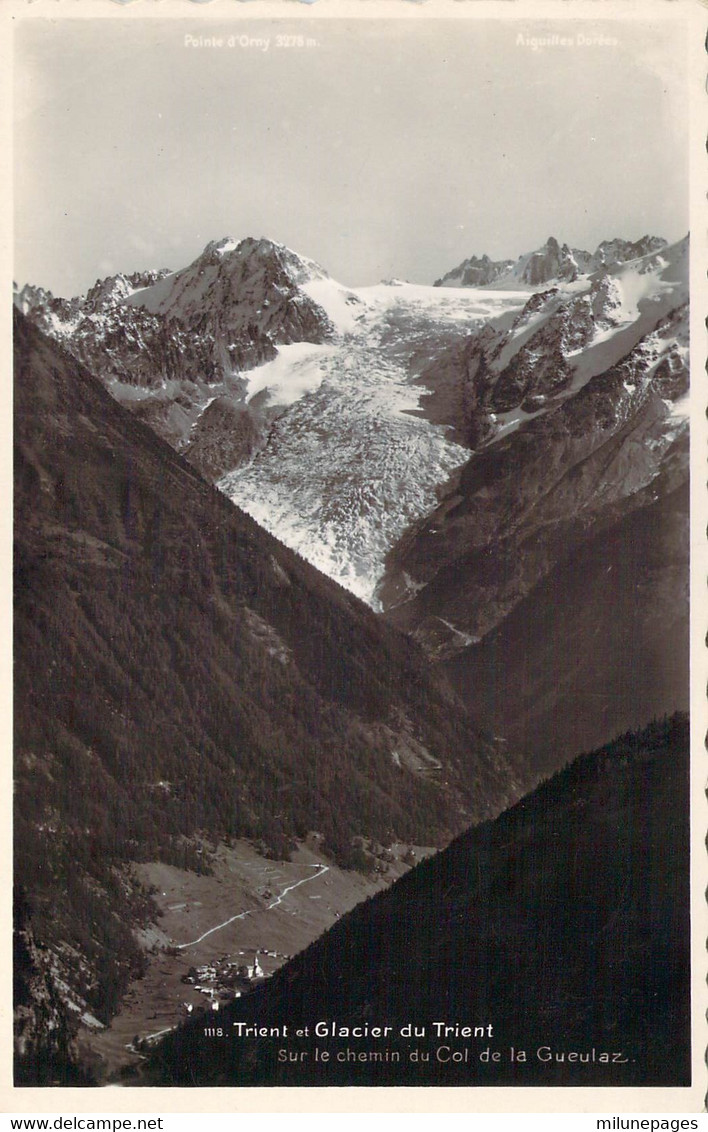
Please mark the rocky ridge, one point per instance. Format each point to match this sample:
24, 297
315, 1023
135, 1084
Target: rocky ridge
552, 261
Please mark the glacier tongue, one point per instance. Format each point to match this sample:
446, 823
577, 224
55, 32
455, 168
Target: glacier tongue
352, 462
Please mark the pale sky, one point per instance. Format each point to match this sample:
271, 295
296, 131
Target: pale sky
384, 148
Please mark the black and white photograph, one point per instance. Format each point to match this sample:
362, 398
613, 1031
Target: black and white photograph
354, 629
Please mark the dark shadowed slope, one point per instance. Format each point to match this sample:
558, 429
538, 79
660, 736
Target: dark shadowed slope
560, 928
597, 646
182, 678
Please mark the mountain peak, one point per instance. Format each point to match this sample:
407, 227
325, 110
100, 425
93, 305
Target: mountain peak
261, 252
549, 262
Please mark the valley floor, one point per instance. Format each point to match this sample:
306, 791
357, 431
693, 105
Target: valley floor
249, 911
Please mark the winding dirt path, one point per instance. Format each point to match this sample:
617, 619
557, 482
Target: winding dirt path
321, 870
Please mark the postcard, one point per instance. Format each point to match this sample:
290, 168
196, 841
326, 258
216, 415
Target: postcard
358, 554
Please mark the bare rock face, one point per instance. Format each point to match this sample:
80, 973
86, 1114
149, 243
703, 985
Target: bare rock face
226, 436
475, 272
518, 503
45, 1033
250, 289
551, 262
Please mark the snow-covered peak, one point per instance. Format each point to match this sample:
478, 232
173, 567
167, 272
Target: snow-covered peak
551, 262
569, 334
248, 296
113, 289
249, 272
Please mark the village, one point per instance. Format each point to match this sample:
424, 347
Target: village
227, 978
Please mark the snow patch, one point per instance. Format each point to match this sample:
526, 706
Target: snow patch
295, 371
340, 304
91, 1022
637, 288
228, 244
156, 295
